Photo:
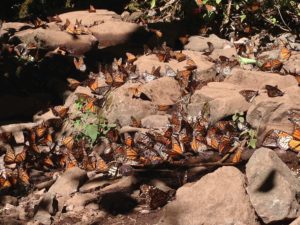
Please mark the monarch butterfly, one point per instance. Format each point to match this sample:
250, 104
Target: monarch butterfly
161, 150
273, 91
20, 157
72, 83
118, 80
130, 57
128, 140
35, 148
79, 63
135, 122
23, 176
60, 111
90, 106
185, 136
271, 65
47, 140
156, 71
40, 130
249, 95
177, 149
163, 107
68, 142
47, 161
169, 71
71, 161
175, 121
179, 56
131, 153
198, 146
113, 135
285, 54
282, 139
294, 144
9, 156
191, 65
100, 164
162, 57
224, 145
237, 155
92, 9
4, 183
108, 78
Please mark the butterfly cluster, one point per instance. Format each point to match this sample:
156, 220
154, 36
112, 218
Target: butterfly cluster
283, 140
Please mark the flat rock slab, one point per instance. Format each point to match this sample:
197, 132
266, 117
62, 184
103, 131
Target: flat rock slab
12, 27
224, 99
205, 69
51, 39
122, 104
217, 198
293, 64
90, 19
114, 32
68, 182
272, 188
199, 43
267, 113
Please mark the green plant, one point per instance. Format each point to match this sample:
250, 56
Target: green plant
88, 125
251, 136
248, 134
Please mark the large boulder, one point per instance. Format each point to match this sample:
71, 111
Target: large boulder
205, 69
106, 26
217, 198
272, 188
122, 104
51, 39
68, 182
199, 43
224, 98
10, 28
273, 113
293, 64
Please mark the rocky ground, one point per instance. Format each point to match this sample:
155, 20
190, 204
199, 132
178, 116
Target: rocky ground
207, 134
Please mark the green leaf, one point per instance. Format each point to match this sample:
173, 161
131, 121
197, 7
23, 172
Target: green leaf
241, 119
91, 131
234, 117
218, 1
243, 60
242, 17
252, 143
152, 4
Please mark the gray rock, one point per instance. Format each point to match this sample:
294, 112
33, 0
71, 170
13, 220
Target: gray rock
12, 27
114, 32
122, 105
223, 99
267, 113
198, 43
155, 121
134, 16
51, 39
68, 182
296, 221
293, 64
272, 188
48, 206
217, 198
205, 69
7, 199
